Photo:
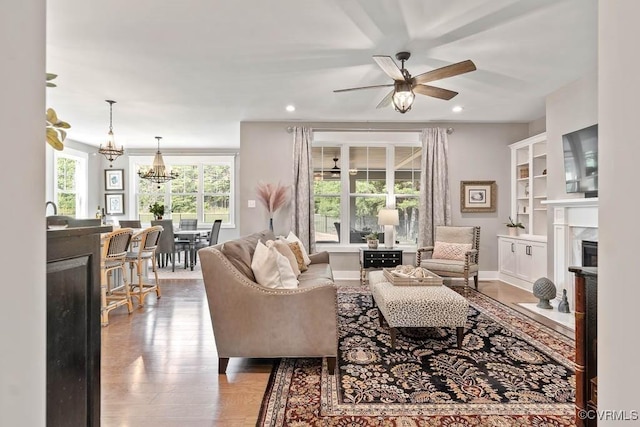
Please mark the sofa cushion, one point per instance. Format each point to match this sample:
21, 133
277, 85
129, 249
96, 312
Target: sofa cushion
317, 274
271, 268
239, 252
447, 265
455, 251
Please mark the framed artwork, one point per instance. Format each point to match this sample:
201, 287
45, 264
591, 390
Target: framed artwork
114, 179
114, 204
478, 196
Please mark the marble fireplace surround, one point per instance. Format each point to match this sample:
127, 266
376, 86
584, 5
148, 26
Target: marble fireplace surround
574, 220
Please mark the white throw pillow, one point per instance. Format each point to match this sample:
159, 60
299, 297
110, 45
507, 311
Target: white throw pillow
271, 268
293, 238
284, 249
453, 251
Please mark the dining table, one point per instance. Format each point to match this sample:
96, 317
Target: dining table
191, 237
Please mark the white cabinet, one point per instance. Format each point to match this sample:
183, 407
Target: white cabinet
521, 260
529, 184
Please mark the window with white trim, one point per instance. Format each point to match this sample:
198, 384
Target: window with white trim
203, 189
371, 176
69, 186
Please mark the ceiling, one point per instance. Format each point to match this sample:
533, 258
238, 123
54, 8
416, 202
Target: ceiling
192, 70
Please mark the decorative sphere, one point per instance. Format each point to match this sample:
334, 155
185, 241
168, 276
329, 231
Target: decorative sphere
545, 290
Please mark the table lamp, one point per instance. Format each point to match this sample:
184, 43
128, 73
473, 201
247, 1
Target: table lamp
389, 218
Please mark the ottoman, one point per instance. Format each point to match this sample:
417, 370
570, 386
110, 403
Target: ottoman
418, 306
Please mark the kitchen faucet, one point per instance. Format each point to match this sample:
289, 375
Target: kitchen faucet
55, 208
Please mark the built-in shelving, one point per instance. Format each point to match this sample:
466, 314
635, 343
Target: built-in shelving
529, 184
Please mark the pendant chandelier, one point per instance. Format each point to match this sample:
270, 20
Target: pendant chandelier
111, 152
158, 173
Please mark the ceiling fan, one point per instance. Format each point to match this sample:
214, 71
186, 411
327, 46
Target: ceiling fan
405, 86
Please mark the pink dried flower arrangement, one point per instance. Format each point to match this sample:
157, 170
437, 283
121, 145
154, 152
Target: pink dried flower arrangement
272, 196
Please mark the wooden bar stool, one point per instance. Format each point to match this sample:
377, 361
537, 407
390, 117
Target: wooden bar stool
114, 251
146, 251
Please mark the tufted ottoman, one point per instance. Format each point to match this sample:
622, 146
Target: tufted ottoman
418, 306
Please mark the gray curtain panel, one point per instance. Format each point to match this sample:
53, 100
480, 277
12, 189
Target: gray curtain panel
435, 197
302, 213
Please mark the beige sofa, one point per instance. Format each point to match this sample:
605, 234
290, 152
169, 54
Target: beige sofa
250, 320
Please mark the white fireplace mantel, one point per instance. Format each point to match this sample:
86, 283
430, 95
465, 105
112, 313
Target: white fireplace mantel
569, 216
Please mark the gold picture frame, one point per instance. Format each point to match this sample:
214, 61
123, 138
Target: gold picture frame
478, 196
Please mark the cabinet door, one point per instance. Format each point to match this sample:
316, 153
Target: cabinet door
524, 261
507, 258
539, 261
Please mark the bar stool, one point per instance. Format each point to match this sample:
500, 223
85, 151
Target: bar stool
114, 251
146, 251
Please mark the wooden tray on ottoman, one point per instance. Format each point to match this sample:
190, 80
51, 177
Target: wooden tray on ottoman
431, 280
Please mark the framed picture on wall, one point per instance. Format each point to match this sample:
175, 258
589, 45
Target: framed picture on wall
114, 179
478, 196
114, 204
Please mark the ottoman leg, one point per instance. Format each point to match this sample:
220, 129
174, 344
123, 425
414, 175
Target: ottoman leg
392, 332
460, 335
380, 317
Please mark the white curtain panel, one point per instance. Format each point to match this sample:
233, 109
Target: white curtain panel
303, 207
435, 197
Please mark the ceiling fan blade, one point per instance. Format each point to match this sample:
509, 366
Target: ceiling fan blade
389, 66
436, 92
386, 100
444, 72
361, 87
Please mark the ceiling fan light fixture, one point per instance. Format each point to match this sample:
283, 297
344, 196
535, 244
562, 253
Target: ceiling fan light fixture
403, 97
457, 109
335, 170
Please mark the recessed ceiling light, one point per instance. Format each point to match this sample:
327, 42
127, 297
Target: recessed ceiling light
291, 108
456, 109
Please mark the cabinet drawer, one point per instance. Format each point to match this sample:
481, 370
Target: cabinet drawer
385, 259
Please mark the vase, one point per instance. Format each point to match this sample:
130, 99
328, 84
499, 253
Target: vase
271, 224
513, 231
372, 243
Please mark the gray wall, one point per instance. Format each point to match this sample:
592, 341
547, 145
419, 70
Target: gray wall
476, 152
570, 108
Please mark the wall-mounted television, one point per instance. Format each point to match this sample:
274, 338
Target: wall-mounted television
581, 161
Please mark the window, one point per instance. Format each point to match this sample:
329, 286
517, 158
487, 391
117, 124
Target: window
202, 191
372, 176
70, 190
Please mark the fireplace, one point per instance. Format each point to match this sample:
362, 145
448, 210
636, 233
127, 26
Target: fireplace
589, 253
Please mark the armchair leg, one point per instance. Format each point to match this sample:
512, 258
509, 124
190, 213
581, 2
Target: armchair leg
331, 365
222, 365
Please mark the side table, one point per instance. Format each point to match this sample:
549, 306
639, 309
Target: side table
378, 258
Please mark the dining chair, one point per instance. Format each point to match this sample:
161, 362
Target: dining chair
146, 251
213, 237
130, 223
188, 224
168, 247
114, 252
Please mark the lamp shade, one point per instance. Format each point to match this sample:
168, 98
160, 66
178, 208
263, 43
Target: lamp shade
388, 217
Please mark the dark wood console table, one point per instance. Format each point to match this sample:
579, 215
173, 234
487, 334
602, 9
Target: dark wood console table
378, 258
73, 326
586, 312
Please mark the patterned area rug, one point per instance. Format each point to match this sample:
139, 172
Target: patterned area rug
511, 371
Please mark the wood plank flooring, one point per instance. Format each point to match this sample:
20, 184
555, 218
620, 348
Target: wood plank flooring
159, 364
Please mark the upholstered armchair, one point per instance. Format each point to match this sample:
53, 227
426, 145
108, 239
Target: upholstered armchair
454, 254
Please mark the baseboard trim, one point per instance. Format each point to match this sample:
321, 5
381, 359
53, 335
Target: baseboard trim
518, 283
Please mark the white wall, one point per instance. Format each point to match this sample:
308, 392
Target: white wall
570, 108
476, 152
619, 234
22, 260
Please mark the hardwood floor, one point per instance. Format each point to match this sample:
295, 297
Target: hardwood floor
159, 364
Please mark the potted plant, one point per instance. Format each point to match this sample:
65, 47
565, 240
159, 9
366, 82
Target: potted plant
372, 240
157, 210
513, 227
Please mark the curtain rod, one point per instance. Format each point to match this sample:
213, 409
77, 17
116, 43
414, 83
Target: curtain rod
290, 129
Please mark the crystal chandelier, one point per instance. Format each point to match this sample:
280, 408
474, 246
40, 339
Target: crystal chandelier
158, 173
111, 152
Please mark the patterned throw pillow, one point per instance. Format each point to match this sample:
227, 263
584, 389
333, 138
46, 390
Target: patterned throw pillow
453, 251
295, 248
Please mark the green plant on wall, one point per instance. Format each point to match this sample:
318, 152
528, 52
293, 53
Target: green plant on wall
55, 127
